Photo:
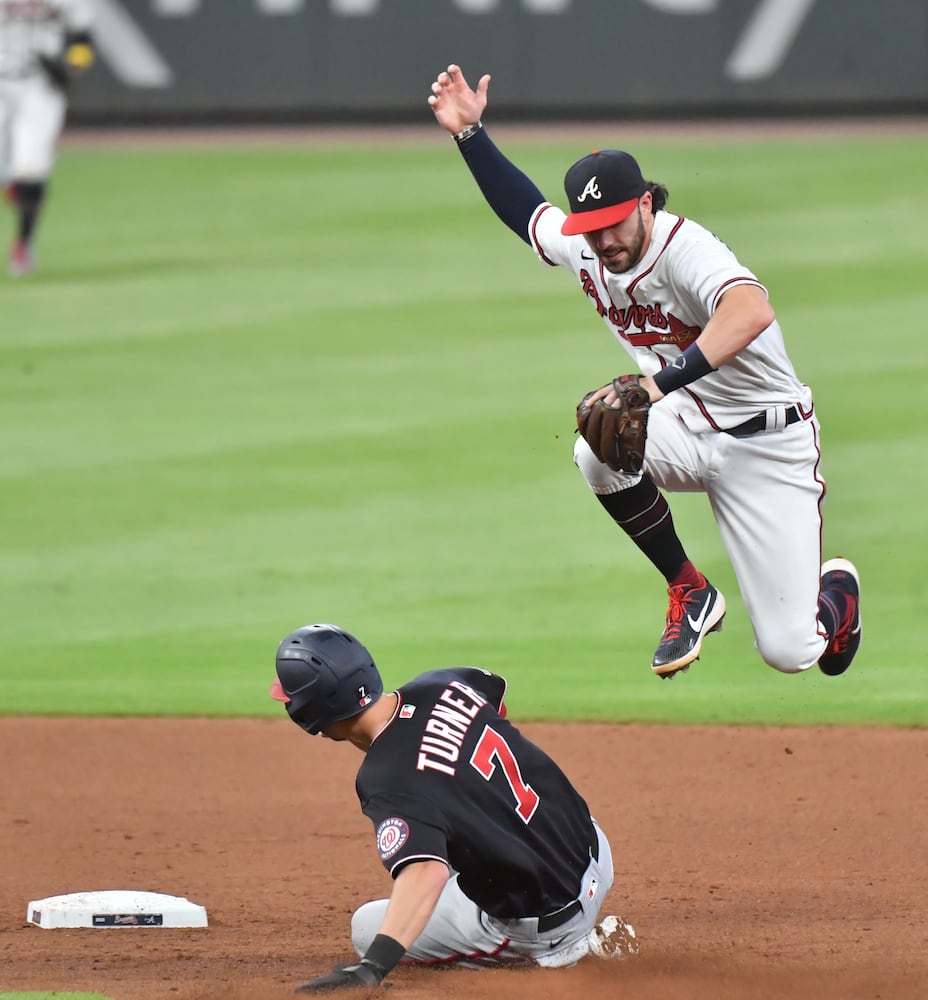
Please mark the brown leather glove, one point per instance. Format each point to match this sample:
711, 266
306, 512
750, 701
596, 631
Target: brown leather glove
617, 434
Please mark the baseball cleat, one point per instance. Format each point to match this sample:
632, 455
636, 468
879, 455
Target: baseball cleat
613, 937
20, 262
693, 613
565, 958
842, 575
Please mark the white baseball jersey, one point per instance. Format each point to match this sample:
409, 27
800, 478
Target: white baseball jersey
660, 306
29, 28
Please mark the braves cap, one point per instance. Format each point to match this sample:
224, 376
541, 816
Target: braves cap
602, 189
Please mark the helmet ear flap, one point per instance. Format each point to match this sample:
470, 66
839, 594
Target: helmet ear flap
300, 674
305, 719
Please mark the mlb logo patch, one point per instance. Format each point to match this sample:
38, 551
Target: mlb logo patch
407, 711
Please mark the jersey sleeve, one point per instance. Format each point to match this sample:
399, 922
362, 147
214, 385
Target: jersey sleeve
405, 831
705, 269
547, 240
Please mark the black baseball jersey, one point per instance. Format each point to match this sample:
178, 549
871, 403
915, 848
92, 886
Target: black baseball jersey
450, 779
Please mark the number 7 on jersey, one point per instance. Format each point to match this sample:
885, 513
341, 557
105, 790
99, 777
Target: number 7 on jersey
491, 745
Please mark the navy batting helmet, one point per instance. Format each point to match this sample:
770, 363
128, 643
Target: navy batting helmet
324, 675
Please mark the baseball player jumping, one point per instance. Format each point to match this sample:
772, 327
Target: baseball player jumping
494, 855
44, 46
727, 415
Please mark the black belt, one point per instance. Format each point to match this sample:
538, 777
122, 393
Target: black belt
551, 920
759, 423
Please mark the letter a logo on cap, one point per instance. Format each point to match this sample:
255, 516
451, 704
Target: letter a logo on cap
603, 189
591, 190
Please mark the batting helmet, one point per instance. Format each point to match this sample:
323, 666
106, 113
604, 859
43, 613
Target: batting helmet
324, 675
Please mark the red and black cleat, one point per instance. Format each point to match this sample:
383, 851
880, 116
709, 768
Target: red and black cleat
842, 576
693, 613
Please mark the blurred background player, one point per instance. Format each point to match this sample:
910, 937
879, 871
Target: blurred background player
44, 46
493, 853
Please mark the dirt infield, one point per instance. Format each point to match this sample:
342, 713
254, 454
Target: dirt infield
753, 862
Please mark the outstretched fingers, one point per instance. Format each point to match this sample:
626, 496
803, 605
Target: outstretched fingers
455, 104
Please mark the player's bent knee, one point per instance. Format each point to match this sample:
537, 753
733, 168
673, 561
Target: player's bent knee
788, 657
599, 477
365, 923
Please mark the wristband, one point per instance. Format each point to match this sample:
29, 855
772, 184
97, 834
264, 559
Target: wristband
467, 133
691, 365
383, 954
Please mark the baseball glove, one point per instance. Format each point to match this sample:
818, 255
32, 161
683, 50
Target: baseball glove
617, 433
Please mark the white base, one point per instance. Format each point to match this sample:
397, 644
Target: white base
115, 908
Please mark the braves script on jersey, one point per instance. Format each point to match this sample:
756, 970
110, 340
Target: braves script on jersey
449, 778
660, 306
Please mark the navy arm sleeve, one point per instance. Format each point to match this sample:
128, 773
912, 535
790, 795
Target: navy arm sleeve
507, 190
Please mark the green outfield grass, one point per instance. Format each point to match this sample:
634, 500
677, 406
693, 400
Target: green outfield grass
255, 388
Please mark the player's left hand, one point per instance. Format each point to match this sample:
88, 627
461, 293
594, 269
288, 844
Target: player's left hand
342, 977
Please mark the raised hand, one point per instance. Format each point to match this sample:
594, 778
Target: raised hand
453, 101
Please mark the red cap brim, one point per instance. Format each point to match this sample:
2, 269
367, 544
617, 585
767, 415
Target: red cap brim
601, 218
277, 692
